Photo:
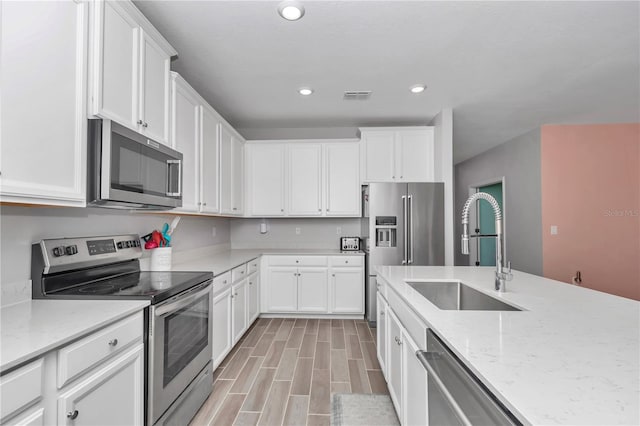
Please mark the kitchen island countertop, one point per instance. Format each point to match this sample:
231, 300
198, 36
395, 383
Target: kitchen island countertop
572, 356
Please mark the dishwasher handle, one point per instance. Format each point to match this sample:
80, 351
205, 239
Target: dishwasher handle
423, 357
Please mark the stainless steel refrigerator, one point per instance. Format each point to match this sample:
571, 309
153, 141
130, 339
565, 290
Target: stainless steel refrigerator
406, 227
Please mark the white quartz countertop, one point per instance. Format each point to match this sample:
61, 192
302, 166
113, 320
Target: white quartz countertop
571, 357
221, 262
32, 328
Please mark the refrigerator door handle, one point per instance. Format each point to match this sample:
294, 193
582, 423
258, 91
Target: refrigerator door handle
405, 254
410, 226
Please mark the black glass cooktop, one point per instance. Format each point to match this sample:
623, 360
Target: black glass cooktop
153, 286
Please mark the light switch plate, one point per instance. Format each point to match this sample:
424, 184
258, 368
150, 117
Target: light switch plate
554, 230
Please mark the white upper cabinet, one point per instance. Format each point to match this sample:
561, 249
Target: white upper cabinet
403, 154
231, 171
342, 161
305, 179
129, 69
414, 155
266, 179
378, 150
186, 139
43, 51
154, 89
209, 161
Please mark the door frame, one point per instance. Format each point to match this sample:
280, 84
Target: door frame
472, 189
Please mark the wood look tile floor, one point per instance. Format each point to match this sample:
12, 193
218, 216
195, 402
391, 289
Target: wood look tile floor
283, 372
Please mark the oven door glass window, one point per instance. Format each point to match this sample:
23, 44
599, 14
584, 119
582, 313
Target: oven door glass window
186, 334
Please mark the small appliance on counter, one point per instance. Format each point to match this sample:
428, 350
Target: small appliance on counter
178, 334
350, 243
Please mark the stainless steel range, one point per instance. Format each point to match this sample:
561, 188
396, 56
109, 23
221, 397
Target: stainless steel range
178, 343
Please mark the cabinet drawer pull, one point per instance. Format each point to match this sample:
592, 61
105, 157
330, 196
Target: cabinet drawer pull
333, 275
112, 343
145, 125
346, 261
139, 121
72, 414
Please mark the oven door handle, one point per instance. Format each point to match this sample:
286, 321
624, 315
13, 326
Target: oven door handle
180, 303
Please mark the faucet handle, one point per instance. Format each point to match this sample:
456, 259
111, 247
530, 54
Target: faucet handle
508, 274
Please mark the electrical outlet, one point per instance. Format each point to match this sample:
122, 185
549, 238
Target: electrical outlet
554, 230
297, 231
213, 231
339, 230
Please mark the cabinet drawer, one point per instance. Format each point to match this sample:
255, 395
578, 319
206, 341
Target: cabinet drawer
20, 388
346, 260
298, 260
413, 325
221, 282
32, 417
78, 357
252, 266
238, 273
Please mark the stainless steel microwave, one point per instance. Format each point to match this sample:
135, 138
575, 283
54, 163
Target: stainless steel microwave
130, 171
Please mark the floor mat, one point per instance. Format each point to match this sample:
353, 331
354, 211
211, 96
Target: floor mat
362, 409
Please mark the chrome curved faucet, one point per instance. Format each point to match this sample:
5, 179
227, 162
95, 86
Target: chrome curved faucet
501, 277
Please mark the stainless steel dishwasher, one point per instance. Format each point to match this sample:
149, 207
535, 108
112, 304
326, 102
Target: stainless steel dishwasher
455, 395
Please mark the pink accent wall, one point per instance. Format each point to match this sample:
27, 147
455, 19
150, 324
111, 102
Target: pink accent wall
591, 191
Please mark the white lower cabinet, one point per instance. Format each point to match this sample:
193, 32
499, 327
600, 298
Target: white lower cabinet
239, 310
394, 365
381, 332
102, 385
253, 297
347, 290
282, 289
414, 381
405, 375
221, 326
314, 284
113, 395
312, 290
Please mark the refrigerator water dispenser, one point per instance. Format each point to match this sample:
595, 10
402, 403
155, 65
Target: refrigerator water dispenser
386, 229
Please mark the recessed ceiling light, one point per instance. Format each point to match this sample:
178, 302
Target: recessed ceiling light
305, 91
417, 88
291, 10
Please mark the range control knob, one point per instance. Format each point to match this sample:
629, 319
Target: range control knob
71, 250
58, 251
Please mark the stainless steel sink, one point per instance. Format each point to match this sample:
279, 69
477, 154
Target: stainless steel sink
455, 296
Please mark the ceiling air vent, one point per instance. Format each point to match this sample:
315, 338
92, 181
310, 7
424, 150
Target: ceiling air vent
357, 95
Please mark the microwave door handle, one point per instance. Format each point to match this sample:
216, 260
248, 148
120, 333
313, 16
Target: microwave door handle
170, 164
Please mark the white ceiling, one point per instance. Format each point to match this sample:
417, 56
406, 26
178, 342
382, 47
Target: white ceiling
504, 67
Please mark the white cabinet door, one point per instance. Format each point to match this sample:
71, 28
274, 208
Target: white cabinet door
112, 395
253, 298
43, 51
313, 290
115, 86
221, 329
226, 176
381, 334
186, 139
379, 155
305, 179
239, 310
154, 90
281, 289
237, 176
347, 290
414, 155
394, 367
414, 378
342, 179
210, 162
266, 173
